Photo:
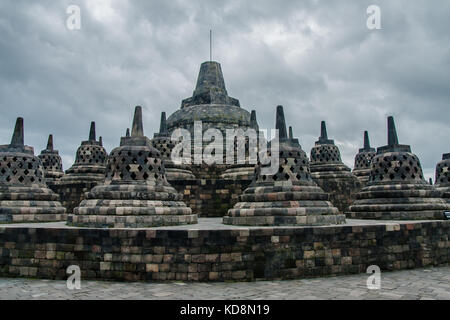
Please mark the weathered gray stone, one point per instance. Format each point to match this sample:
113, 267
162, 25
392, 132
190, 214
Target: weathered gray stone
136, 192
363, 160
397, 189
288, 197
24, 196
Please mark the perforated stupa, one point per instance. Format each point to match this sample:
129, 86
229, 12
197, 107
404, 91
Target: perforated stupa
397, 189
136, 193
90, 161
24, 196
363, 160
287, 197
51, 162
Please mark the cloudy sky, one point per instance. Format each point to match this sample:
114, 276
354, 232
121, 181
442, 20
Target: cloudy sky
316, 58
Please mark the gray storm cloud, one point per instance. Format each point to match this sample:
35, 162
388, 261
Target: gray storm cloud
317, 58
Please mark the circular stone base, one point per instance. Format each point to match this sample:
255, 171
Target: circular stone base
95, 221
32, 218
399, 215
311, 220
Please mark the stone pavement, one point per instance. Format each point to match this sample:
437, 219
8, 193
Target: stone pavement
429, 283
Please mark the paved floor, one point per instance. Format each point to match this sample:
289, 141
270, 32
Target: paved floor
430, 283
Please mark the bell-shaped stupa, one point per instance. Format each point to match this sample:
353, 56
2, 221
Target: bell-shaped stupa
51, 162
397, 189
331, 174
24, 196
243, 167
136, 193
162, 141
442, 180
90, 161
289, 196
363, 160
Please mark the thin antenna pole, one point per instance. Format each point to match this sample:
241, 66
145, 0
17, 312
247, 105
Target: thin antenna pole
210, 45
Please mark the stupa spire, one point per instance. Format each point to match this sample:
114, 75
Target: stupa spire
291, 134
393, 145
366, 140
280, 123
17, 138
323, 131
137, 130
253, 121
100, 141
127, 134
392, 132
92, 131
163, 124
50, 142
323, 139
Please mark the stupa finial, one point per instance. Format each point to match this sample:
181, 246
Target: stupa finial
366, 140
17, 138
253, 121
163, 124
280, 123
92, 131
50, 143
323, 131
393, 145
137, 130
323, 139
127, 134
100, 141
291, 134
392, 132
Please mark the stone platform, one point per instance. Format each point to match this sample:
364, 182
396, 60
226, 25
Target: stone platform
212, 251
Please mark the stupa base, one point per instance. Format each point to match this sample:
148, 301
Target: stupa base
132, 221
399, 215
32, 218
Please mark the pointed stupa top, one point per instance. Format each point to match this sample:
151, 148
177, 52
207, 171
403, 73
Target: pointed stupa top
100, 140
210, 88
367, 147
137, 137
280, 123
291, 134
50, 142
17, 140
253, 121
137, 130
393, 145
49, 149
323, 139
127, 133
92, 131
162, 127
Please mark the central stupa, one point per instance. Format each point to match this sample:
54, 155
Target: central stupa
210, 104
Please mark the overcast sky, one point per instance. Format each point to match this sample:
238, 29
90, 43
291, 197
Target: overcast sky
316, 58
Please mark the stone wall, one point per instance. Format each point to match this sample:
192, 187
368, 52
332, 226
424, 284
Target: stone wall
242, 254
71, 194
211, 197
342, 191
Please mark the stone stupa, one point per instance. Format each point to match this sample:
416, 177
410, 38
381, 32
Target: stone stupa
442, 180
24, 196
331, 174
245, 170
288, 197
397, 189
51, 162
363, 160
162, 141
89, 163
136, 193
